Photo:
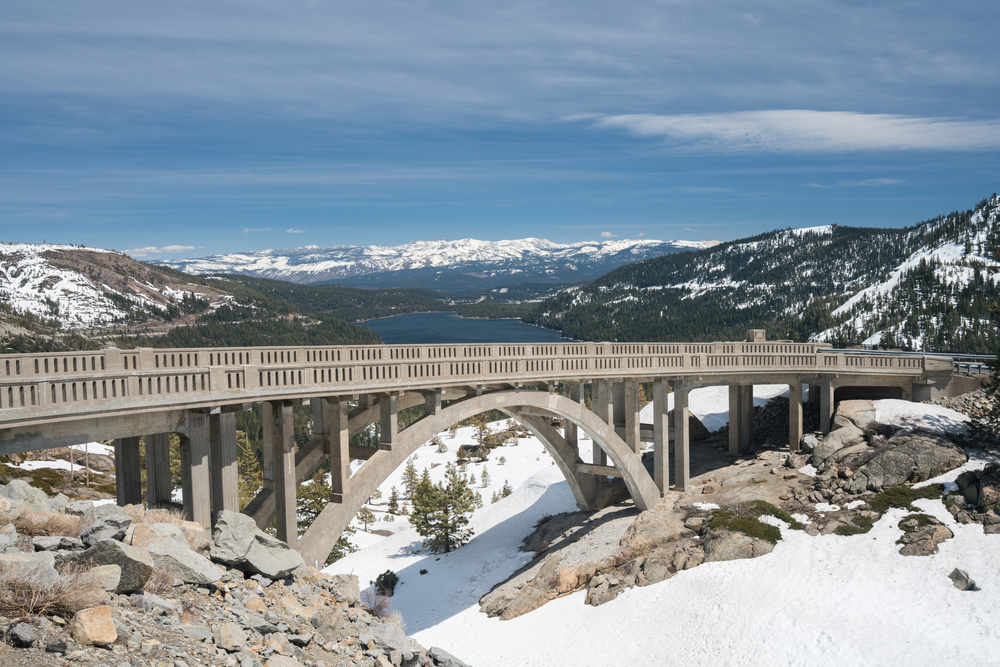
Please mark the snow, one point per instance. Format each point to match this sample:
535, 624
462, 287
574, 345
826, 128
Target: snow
711, 404
823, 229
814, 601
55, 465
919, 416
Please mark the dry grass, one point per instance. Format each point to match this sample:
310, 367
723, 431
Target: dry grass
159, 582
36, 524
141, 515
395, 617
377, 605
23, 593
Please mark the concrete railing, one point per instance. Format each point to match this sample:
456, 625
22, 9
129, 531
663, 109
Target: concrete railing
45, 386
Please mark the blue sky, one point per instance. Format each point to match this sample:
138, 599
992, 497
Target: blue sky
191, 128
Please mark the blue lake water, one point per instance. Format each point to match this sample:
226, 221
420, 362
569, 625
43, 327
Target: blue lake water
444, 328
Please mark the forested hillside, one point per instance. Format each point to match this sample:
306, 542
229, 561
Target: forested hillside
922, 287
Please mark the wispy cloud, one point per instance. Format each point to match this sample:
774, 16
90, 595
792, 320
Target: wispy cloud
608, 235
294, 231
808, 131
253, 230
153, 250
867, 183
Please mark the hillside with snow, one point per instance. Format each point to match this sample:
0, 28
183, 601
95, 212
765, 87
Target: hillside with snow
925, 287
430, 263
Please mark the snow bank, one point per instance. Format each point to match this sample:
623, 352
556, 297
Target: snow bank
920, 416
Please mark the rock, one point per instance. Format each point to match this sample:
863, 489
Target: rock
910, 457
56, 543
696, 430
93, 626
922, 535
58, 646
258, 623
108, 577
860, 413
142, 535
234, 532
178, 560
136, 564
326, 623
283, 661
808, 443
723, 545
38, 567
962, 581
389, 638
278, 642
846, 436
442, 658
23, 635
272, 557
80, 508
19, 491
107, 527
346, 588
154, 604
196, 536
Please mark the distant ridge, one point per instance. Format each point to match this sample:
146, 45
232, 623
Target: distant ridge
439, 264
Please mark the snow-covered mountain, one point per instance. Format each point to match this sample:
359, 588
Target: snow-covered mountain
74, 287
419, 262
925, 287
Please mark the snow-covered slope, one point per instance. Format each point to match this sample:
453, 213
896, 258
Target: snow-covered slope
516, 258
85, 287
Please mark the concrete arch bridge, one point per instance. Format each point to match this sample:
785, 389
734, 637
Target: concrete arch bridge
55, 400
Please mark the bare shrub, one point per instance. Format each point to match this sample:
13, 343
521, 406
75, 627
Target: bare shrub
47, 523
140, 514
377, 605
395, 617
24, 593
159, 582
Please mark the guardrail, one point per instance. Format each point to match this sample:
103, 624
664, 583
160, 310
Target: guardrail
971, 364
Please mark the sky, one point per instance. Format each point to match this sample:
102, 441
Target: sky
186, 128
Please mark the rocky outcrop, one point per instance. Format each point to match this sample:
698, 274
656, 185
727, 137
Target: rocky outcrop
910, 457
722, 545
239, 543
979, 501
922, 534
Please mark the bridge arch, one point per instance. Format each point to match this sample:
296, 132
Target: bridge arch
528, 407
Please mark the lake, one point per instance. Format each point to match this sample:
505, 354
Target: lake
444, 328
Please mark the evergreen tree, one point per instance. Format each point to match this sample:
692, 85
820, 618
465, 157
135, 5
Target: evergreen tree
366, 516
506, 490
441, 511
410, 478
495, 498
484, 479
482, 425
479, 500
503, 460
472, 478
393, 501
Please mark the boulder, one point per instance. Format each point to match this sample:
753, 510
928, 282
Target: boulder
154, 604
8, 536
860, 413
846, 436
722, 545
93, 626
20, 492
962, 581
442, 658
922, 535
326, 623
910, 457
38, 567
346, 588
282, 661
107, 576
136, 564
56, 543
109, 526
143, 535
981, 488
23, 635
390, 638
239, 543
229, 636
808, 443
178, 560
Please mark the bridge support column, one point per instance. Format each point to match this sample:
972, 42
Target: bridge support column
603, 408
279, 440
388, 422
337, 419
825, 403
225, 475
740, 419
794, 415
661, 436
573, 391
630, 410
128, 476
682, 453
196, 470
158, 485
813, 395
432, 402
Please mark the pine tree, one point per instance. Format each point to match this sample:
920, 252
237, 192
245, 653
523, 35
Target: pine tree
441, 511
484, 479
410, 478
375, 496
482, 425
494, 498
503, 460
366, 516
472, 478
479, 500
393, 507
506, 490
248, 473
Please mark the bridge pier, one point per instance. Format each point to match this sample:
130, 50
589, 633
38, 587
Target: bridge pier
661, 435
196, 470
630, 414
794, 415
825, 403
128, 476
574, 392
158, 483
388, 420
338, 447
740, 419
279, 466
603, 407
225, 474
682, 441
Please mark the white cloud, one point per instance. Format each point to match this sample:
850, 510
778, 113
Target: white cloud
808, 131
294, 231
250, 230
867, 183
608, 235
153, 250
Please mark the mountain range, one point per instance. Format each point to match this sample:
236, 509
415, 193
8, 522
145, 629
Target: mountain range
462, 265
